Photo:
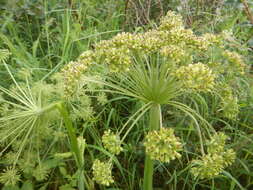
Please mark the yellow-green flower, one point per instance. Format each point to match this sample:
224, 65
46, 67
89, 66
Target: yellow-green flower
208, 166
236, 60
112, 142
9, 176
176, 53
216, 143
229, 157
229, 103
163, 145
170, 21
216, 160
196, 77
102, 172
73, 71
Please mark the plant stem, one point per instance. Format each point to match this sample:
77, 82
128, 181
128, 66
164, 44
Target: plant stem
154, 124
73, 142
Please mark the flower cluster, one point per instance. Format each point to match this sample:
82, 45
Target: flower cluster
196, 77
148, 42
216, 143
173, 52
116, 52
112, 142
230, 107
229, 103
117, 59
73, 71
9, 176
170, 40
236, 60
207, 40
163, 145
218, 158
170, 21
208, 166
102, 172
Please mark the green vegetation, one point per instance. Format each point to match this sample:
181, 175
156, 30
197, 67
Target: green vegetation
125, 95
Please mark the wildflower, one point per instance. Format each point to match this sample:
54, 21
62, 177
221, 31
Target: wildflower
218, 158
229, 103
87, 57
9, 176
171, 20
150, 41
229, 157
72, 72
117, 59
173, 52
236, 60
125, 39
208, 166
181, 36
162, 145
41, 172
217, 143
102, 99
230, 107
112, 142
227, 35
102, 172
196, 77
209, 39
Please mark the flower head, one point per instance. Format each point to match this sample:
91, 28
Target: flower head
196, 77
102, 172
162, 145
176, 53
216, 143
9, 176
236, 60
111, 142
229, 102
208, 166
170, 21
217, 158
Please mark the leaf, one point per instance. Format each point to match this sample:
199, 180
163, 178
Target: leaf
66, 187
27, 185
11, 188
233, 179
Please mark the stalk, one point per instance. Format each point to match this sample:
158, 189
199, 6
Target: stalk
73, 143
154, 124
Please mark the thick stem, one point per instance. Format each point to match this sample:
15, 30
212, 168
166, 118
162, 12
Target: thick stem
149, 164
73, 142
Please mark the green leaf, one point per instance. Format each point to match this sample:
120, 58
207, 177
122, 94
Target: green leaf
233, 179
66, 187
27, 185
11, 187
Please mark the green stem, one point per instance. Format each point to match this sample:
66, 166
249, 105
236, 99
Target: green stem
154, 124
73, 142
